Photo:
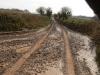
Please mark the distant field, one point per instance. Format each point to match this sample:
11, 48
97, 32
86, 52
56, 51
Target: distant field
17, 21
86, 27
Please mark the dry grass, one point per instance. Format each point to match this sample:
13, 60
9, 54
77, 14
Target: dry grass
14, 21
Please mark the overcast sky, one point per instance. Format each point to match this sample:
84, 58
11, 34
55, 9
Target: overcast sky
79, 7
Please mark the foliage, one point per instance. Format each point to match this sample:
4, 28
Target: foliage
81, 25
65, 13
11, 21
49, 12
41, 10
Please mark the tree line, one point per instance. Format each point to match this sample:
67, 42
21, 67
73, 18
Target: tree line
64, 13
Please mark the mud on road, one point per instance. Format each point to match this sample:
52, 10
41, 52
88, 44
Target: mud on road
14, 46
55, 50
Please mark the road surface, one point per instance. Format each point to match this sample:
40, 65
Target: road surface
49, 51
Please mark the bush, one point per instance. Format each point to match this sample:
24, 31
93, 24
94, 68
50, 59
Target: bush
11, 21
81, 25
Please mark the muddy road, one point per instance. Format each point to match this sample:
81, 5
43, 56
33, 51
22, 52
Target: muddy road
54, 50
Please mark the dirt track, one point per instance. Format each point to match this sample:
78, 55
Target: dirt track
46, 52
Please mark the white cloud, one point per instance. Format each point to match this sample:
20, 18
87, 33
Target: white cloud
79, 7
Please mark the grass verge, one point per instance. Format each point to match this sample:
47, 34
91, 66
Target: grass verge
15, 21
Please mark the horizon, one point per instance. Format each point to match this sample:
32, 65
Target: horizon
79, 7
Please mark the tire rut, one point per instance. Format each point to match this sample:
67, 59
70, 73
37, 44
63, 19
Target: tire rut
19, 63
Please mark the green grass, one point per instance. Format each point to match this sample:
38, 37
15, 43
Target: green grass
87, 27
11, 21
